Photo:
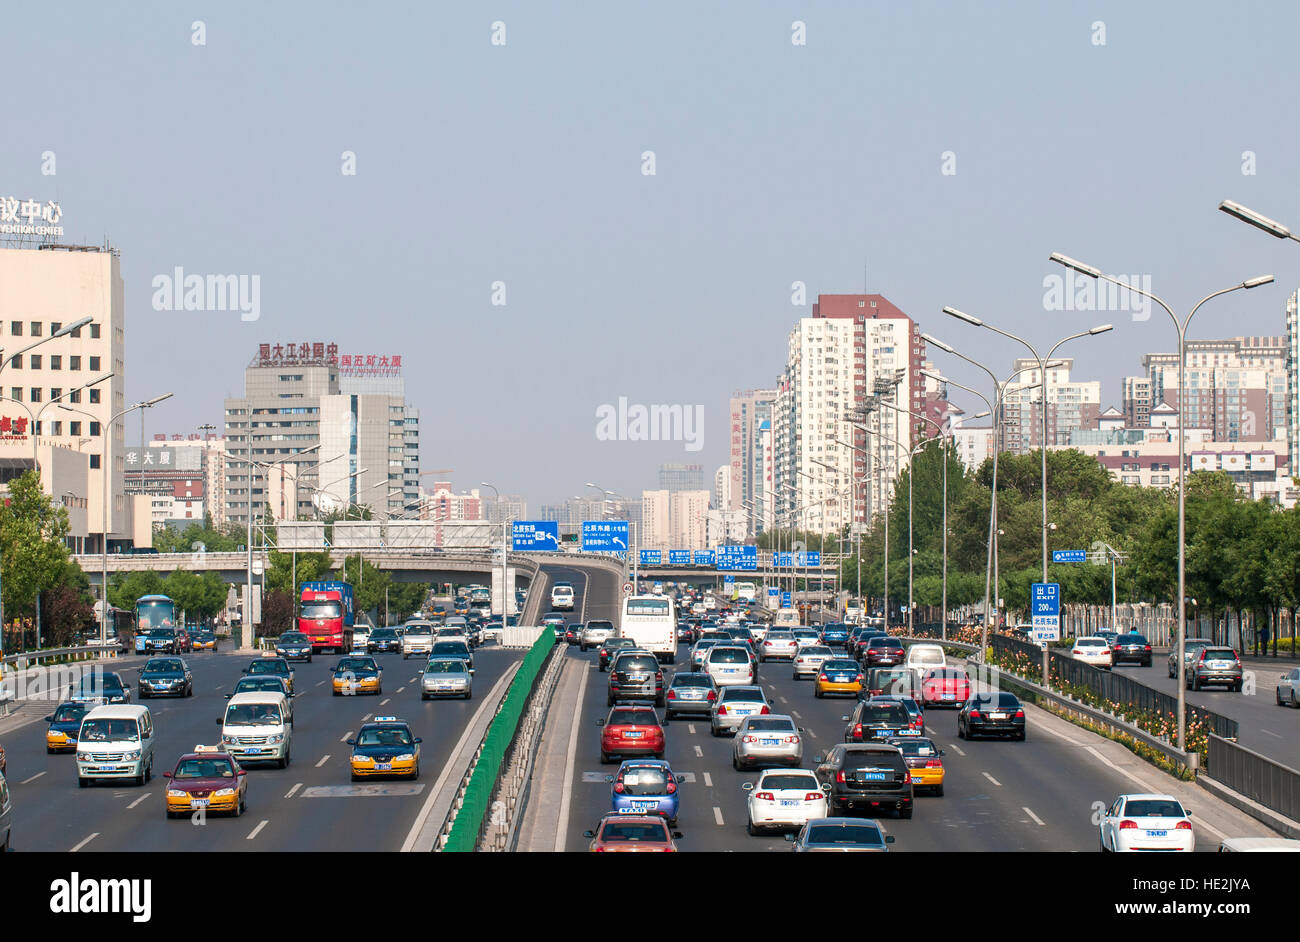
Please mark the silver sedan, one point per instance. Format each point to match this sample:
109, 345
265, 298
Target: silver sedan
778, 644
767, 740
446, 677
810, 659
698, 651
734, 703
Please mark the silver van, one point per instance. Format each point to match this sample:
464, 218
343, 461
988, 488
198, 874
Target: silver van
115, 742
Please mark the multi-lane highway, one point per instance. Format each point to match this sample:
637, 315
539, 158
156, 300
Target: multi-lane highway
310, 806
1040, 794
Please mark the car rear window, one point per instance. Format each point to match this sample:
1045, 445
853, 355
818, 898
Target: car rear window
884, 713
1130, 639
728, 656
1153, 808
771, 725
873, 758
644, 780
917, 747
692, 680
886, 643
634, 718
749, 694
1220, 654
946, 675
791, 780
634, 831
1091, 643
840, 666
636, 662
780, 636
1002, 700
603, 625
861, 835
815, 650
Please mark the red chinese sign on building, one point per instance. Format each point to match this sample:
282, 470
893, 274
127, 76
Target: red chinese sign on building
13, 429
322, 354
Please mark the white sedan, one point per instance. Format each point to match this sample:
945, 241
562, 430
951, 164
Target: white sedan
784, 798
1094, 651
1147, 823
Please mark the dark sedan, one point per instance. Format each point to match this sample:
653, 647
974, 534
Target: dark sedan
385, 641
294, 646
165, 677
991, 714
1130, 649
883, 652
840, 835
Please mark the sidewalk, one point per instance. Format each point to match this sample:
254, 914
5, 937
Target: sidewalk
546, 814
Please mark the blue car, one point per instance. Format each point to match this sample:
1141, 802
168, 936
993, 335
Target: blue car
835, 633
645, 786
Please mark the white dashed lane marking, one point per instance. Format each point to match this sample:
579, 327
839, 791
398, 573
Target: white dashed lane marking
32, 778
293, 791
699, 753
257, 830
717, 816
84, 843
708, 780
323, 760
138, 800
992, 779
956, 748
1037, 819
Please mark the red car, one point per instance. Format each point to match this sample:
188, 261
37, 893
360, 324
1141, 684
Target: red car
207, 778
631, 833
945, 686
630, 730
883, 652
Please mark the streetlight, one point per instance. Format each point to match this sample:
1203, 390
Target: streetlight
61, 332
1181, 326
1042, 366
1257, 220
504, 605
105, 470
857, 551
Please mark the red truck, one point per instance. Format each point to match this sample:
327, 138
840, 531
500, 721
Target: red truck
325, 615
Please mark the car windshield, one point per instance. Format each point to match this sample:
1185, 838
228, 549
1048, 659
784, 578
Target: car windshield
728, 656
252, 714
166, 665
645, 781
267, 667
453, 666
861, 835
109, 731
321, 609
621, 831
634, 718
294, 637
1153, 808
384, 737
769, 725
357, 665
69, 712
790, 780
425, 630
162, 634
383, 634
204, 768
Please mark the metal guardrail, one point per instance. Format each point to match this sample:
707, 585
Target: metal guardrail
1113, 687
28, 658
1259, 778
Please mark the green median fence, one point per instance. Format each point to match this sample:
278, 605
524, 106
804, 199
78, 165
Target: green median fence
465, 830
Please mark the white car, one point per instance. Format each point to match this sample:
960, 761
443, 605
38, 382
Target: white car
778, 643
1147, 823
784, 798
770, 740
1094, 651
562, 597
758, 630
807, 636
810, 659
925, 657
728, 665
417, 639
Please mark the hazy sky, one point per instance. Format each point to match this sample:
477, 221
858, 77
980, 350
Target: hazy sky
522, 164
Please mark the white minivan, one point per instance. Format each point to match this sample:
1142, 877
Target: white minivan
562, 597
257, 727
728, 665
924, 657
114, 742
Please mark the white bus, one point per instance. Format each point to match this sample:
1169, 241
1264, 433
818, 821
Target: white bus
746, 591
651, 622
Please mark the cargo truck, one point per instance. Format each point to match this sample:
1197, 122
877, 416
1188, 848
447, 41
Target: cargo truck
325, 615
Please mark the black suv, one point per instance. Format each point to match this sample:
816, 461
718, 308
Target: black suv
636, 676
866, 775
876, 719
991, 714
1130, 648
385, 640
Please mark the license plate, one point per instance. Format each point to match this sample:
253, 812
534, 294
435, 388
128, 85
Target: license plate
769, 742
950, 696
788, 803
731, 670
252, 751
997, 716
744, 712
644, 805
636, 735
1220, 665
841, 678
1157, 833
637, 678
692, 695
873, 776
198, 802
383, 766
884, 732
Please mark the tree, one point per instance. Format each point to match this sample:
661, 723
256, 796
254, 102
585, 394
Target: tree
197, 538
33, 556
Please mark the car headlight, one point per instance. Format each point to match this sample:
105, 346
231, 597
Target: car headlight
223, 793
133, 754
228, 740
176, 793
405, 757
275, 737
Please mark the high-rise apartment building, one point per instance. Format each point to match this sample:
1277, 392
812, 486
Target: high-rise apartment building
1071, 405
681, 477
1135, 398
1293, 379
674, 520
1236, 387
751, 425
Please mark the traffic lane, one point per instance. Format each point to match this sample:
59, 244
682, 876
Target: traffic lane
1264, 726
595, 592
61, 815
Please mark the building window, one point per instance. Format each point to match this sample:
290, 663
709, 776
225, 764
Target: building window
16, 393
74, 396
74, 428
55, 327
15, 328
94, 428
56, 361
55, 392
94, 331
94, 463
94, 363
56, 428
17, 361
36, 394
36, 328
35, 361
94, 395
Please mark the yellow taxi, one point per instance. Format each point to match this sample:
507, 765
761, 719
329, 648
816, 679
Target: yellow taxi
924, 761
385, 747
357, 673
65, 723
203, 639
839, 677
207, 779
